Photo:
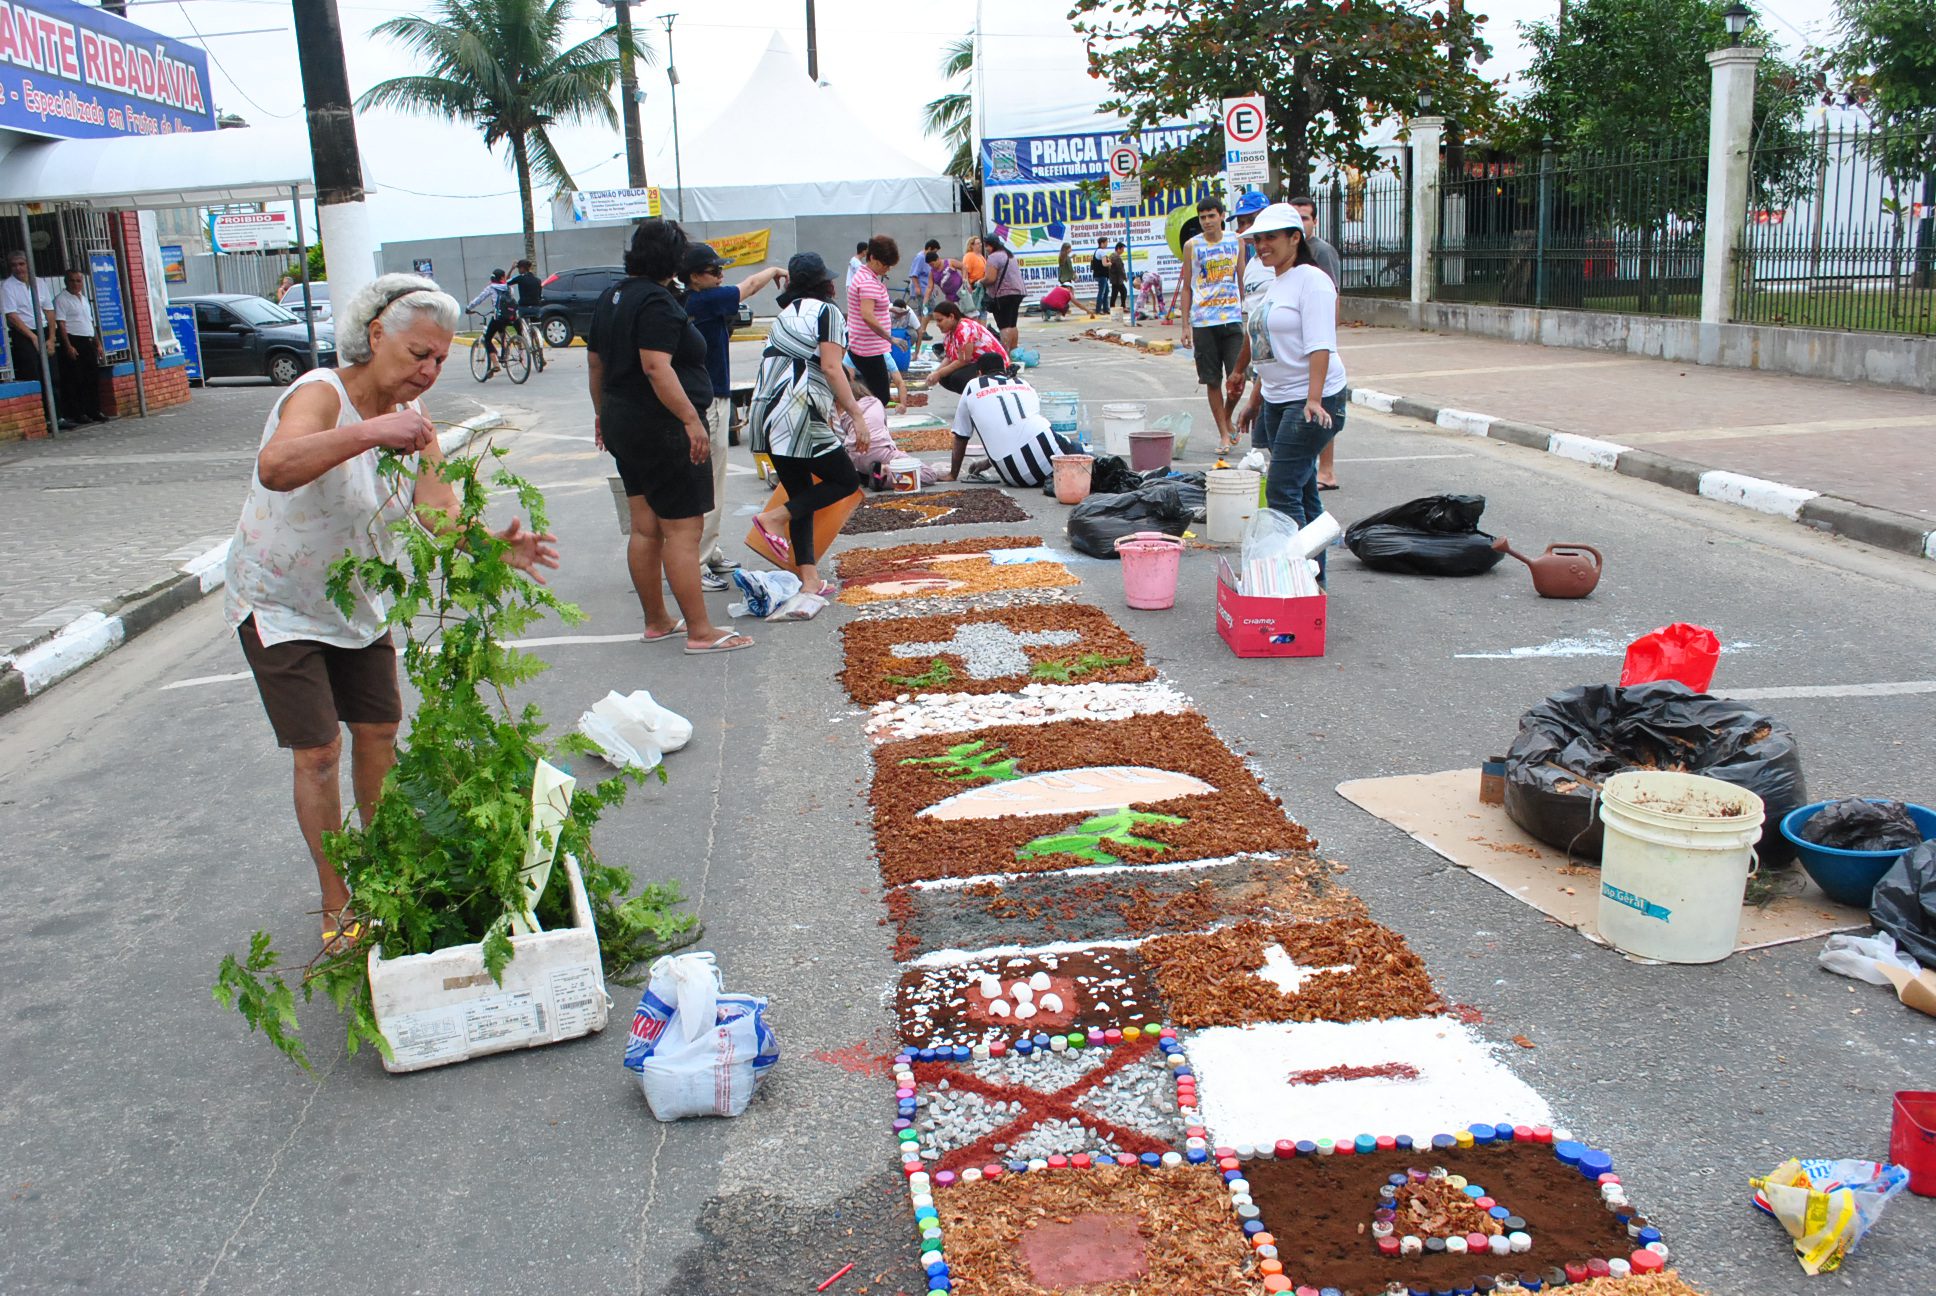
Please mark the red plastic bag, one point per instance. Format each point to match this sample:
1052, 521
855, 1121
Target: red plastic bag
1688, 653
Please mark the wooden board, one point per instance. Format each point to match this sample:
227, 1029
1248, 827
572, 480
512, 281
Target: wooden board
826, 526
1443, 812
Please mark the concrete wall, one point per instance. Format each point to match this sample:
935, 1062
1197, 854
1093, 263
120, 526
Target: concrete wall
464, 265
1888, 359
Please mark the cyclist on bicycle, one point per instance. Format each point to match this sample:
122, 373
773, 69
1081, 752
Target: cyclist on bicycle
494, 304
529, 292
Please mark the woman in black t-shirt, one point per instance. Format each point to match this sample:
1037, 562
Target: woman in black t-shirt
650, 389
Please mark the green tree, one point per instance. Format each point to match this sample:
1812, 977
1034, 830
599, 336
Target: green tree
1328, 71
1885, 64
504, 67
952, 116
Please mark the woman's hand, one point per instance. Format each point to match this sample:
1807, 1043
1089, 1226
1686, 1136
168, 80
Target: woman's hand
1233, 388
598, 432
860, 438
529, 549
1314, 412
700, 444
406, 430
1247, 415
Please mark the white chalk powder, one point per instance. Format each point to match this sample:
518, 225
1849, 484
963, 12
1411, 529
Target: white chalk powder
1034, 704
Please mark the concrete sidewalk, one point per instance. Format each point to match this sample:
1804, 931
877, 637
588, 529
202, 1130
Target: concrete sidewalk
1865, 450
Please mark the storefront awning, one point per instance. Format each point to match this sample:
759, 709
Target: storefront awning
195, 169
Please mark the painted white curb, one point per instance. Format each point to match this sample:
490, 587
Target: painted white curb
207, 567
1929, 545
1465, 421
464, 433
73, 646
1587, 450
1377, 401
1755, 493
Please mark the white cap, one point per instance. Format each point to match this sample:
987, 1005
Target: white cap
1277, 216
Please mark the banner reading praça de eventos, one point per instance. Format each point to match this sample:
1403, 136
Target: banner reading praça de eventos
1033, 202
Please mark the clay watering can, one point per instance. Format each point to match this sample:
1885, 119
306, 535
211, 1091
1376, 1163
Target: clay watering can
1564, 571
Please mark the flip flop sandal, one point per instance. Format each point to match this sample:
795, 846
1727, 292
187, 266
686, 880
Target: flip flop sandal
782, 549
723, 644
678, 628
828, 589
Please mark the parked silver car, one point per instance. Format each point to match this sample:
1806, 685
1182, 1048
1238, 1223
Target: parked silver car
317, 302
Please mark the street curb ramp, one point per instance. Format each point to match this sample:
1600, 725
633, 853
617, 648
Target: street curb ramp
30, 670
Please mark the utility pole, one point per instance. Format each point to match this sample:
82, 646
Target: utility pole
628, 86
342, 217
672, 76
813, 47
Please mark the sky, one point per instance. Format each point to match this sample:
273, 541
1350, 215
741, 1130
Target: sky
428, 178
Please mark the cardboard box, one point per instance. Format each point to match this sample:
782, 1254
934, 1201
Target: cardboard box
1270, 627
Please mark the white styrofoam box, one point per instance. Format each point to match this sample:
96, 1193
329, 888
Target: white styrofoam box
443, 1007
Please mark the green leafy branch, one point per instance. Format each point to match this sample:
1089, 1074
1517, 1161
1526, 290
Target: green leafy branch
1063, 670
439, 861
967, 762
1085, 840
938, 673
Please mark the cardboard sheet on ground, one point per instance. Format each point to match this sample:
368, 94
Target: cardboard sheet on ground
1443, 812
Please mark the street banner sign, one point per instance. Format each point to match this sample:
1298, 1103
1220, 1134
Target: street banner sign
1125, 175
1246, 144
257, 231
614, 204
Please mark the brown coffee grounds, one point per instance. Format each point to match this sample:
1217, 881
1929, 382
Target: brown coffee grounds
1098, 988
1190, 1244
932, 508
963, 579
925, 440
1238, 816
1383, 1071
1319, 1209
874, 674
1209, 979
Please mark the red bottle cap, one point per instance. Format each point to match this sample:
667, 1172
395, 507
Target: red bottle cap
1388, 1246
1285, 1149
1386, 1142
1262, 1240
1483, 1203
1476, 1243
1058, 1162
1542, 1134
1226, 1152
1645, 1261
1609, 1177
1127, 1159
996, 1048
992, 1172
1522, 1133
1597, 1269
1575, 1271
1345, 1147
1112, 1036
1227, 1163
1080, 1161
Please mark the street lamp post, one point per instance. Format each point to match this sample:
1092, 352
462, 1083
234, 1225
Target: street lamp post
1737, 17
672, 76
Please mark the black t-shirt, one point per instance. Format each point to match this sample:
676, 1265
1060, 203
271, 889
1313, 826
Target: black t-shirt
635, 315
528, 289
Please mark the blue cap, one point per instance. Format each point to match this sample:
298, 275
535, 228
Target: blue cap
1305, 1147
1398, 1180
1018, 1167
1151, 1159
1024, 1046
1499, 1212
937, 1269
1249, 203
1365, 1143
1481, 1133
963, 1052
926, 1055
1594, 1163
1197, 1156
1041, 1039
1569, 1152
1649, 1234
940, 1284
1442, 1141
1253, 1227
1403, 1142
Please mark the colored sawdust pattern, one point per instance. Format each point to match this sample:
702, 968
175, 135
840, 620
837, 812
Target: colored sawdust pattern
1315, 1206
1099, 988
933, 508
1188, 1241
1042, 907
873, 673
925, 440
1238, 816
1213, 979
955, 568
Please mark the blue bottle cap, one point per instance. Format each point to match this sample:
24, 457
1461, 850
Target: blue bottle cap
1182, 1071
1569, 1152
1197, 1156
1499, 1213
1442, 1141
1305, 1147
1018, 1167
1041, 1039
1403, 1142
963, 1052
1531, 1283
940, 1284
1365, 1144
1330, 1291
925, 1055
937, 1268
1151, 1158
1397, 1180
1229, 1175
1474, 1191
1594, 1163
926, 1213
1024, 1046
1253, 1227
1649, 1235
1481, 1133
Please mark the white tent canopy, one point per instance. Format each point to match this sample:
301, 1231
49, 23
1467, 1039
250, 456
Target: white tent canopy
788, 147
192, 169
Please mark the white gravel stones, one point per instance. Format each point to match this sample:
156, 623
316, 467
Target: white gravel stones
1137, 1098
1242, 1080
988, 649
943, 605
935, 713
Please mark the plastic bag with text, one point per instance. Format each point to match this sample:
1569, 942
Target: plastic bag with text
697, 1050
1688, 653
1827, 1206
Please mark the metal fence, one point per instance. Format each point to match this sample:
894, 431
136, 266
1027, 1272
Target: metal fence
1594, 231
1837, 241
1367, 216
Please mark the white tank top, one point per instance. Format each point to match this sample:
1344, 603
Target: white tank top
286, 542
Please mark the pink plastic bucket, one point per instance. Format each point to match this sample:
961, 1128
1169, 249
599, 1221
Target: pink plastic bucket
1148, 450
1072, 477
1151, 562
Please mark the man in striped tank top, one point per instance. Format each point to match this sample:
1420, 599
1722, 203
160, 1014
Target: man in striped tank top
1212, 308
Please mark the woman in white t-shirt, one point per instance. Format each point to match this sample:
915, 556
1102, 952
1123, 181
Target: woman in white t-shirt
1297, 400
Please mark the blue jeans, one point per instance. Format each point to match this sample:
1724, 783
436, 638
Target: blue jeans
1102, 296
1291, 483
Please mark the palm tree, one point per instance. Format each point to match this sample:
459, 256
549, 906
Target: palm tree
502, 65
952, 115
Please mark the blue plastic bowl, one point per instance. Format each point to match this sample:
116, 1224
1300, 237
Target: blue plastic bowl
1848, 876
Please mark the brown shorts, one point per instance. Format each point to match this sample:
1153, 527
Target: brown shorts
311, 688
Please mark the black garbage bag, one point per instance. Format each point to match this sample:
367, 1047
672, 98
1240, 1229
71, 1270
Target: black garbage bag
1437, 535
1904, 904
1859, 824
1191, 484
1112, 475
1581, 737
1096, 524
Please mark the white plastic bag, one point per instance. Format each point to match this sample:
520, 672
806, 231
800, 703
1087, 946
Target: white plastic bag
1857, 956
697, 1050
632, 729
1826, 1205
765, 591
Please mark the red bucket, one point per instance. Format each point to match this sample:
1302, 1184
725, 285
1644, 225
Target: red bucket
1912, 1139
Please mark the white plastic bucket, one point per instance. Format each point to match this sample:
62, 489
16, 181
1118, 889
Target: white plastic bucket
1119, 420
1060, 409
1677, 853
905, 475
1230, 497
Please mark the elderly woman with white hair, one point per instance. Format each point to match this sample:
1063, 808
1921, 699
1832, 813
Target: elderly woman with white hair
317, 496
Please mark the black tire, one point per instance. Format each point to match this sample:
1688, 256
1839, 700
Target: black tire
284, 368
557, 330
514, 357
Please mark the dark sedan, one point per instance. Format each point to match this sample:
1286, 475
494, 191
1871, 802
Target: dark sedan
249, 337
570, 295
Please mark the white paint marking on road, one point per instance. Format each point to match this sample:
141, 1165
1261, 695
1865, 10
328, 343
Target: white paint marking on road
1898, 688
1086, 870
1457, 420
1594, 643
1402, 458
1381, 402
1586, 450
201, 680
1755, 493
571, 641
208, 566
75, 645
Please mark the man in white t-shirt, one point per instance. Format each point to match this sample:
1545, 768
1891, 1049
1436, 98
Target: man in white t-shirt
27, 331
80, 355
1007, 415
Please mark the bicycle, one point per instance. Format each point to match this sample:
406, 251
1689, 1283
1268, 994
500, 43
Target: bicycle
514, 357
533, 330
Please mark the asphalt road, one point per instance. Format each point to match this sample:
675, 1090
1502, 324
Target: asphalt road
151, 1146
